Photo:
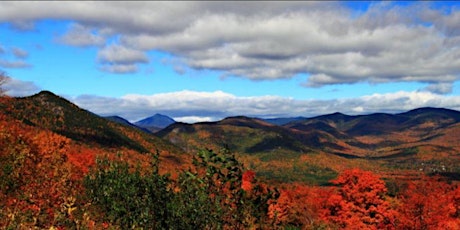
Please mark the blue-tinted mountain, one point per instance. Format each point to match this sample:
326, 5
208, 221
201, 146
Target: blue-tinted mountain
155, 122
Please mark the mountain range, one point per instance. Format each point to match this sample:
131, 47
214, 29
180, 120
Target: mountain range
421, 140
311, 150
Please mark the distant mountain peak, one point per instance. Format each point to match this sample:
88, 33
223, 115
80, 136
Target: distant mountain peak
156, 121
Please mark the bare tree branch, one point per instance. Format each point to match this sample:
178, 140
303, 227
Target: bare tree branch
3, 80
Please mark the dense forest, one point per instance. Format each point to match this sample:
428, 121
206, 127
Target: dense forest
65, 168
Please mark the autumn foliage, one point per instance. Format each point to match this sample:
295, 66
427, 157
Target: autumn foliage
51, 181
430, 203
360, 202
299, 205
36, 176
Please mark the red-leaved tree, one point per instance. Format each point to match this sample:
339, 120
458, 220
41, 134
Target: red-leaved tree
359, 202
430, 203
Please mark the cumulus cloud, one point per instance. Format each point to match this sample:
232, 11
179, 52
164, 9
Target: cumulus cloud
192, 106
271, 40
79, 35
121, 55
17, 88
120, 59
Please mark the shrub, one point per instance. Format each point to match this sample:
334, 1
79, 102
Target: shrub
210, 196
129, 199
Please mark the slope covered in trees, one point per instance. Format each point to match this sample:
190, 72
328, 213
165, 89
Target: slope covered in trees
395, 144
57, 175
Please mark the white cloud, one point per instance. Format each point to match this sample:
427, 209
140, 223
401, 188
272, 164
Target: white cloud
191, 106
193, 119
17, 88
121, 55
79, 35
270, 40
120, 59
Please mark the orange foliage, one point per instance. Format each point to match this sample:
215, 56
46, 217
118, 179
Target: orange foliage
359, 202
248, 180
35, 171
430, 204
82, 158
299, 205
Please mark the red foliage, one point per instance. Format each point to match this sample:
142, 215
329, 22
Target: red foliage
82, 158
359, 202
248, 180
430, 203
299, 205
35, 172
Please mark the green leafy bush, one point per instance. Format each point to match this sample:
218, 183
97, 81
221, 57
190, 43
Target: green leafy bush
130, 199
209, 196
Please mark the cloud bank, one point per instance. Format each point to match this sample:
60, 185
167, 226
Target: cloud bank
327, 41
192, 106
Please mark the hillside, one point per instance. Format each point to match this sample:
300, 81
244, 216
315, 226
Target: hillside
58, 115
272, 151
419, 140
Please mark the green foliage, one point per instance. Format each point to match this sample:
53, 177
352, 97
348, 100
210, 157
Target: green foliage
279, 155
218, 176
192, 206
300, 172
130, 199
210, 196
11, 163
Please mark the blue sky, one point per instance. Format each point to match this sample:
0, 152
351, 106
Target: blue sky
199, 61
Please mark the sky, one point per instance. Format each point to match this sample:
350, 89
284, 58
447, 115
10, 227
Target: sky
204, 61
